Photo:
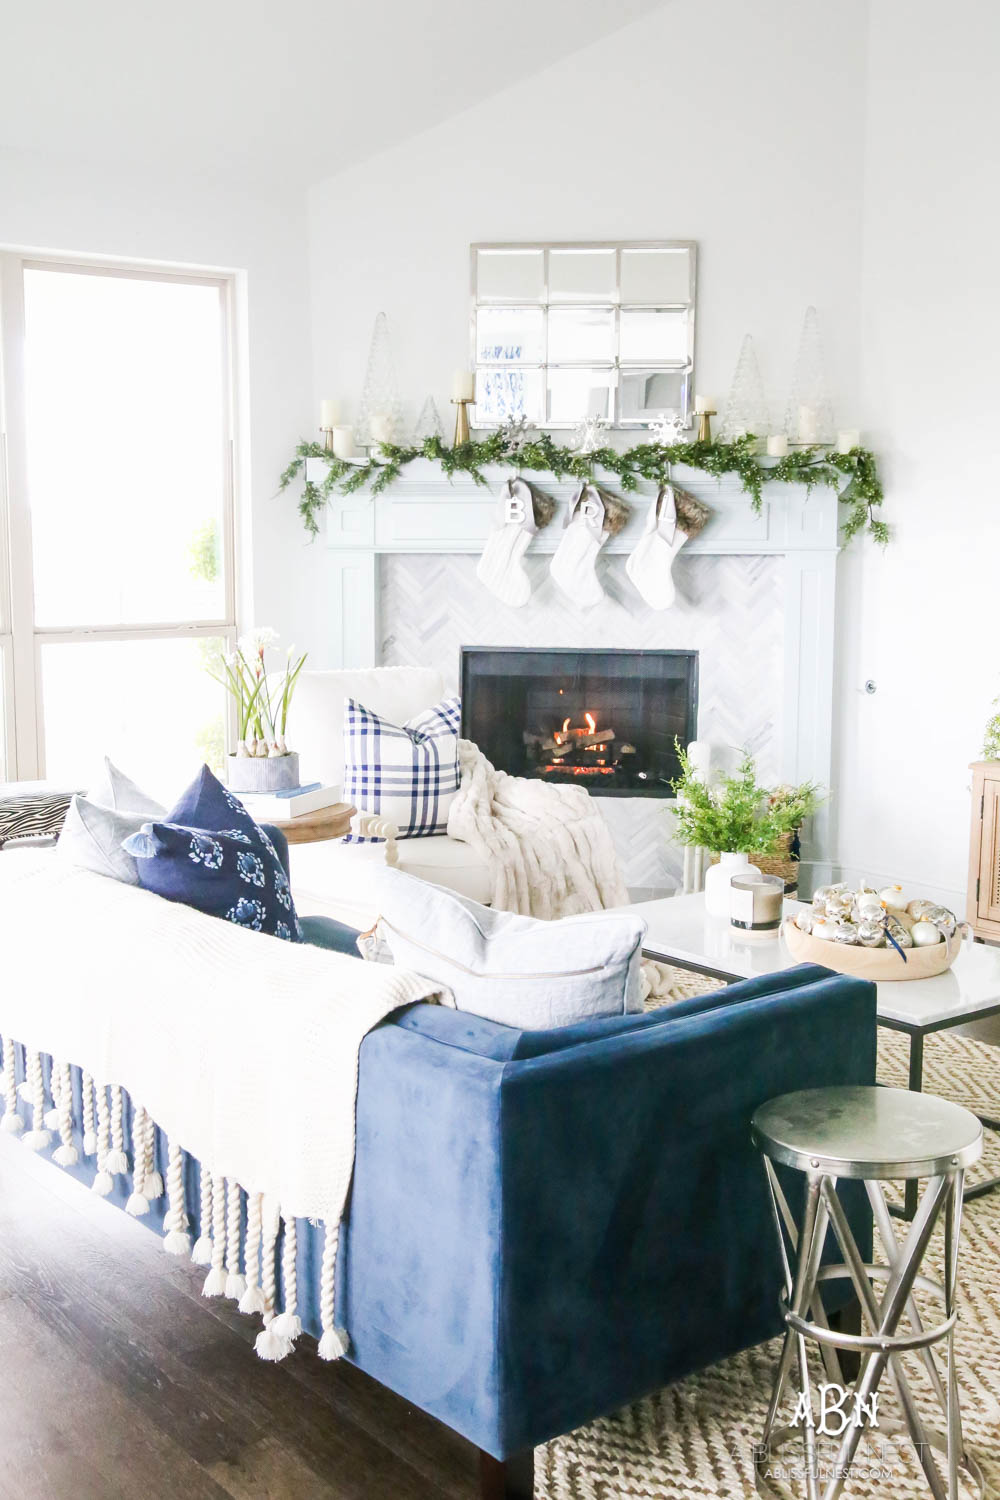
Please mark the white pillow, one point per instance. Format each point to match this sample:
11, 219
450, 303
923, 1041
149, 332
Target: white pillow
97, 825
518, 971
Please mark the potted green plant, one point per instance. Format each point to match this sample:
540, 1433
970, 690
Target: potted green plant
991, 737
263, 761
735, 818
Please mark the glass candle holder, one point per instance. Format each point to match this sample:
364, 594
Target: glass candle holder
756, 902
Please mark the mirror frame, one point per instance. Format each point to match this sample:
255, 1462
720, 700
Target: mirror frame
685, 368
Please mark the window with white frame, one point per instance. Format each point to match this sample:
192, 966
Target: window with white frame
117, 555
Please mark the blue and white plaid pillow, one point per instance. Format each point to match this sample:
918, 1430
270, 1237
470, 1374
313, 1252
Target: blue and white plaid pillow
408, 774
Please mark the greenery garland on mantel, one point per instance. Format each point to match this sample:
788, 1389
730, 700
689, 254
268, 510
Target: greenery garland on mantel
812, 466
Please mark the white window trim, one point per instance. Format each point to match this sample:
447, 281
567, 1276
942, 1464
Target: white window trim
22, 730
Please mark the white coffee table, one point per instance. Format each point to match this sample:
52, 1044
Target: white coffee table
679, 931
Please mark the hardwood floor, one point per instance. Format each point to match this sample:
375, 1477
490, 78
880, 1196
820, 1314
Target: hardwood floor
119, 1379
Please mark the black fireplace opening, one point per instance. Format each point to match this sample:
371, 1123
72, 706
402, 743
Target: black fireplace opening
605, 720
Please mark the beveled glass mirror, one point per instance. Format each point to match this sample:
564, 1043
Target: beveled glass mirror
566, 331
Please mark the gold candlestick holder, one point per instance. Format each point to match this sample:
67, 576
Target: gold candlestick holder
327, 439
462, 433
705, 425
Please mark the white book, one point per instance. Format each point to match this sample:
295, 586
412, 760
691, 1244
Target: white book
284, 806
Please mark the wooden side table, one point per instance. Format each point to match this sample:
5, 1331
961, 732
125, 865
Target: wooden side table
983, 909
313, 828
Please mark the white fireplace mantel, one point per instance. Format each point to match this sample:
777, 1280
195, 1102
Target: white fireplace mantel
422, 512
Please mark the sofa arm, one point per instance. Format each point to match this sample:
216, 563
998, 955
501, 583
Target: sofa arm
371, 826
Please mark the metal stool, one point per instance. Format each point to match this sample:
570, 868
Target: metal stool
869, 1134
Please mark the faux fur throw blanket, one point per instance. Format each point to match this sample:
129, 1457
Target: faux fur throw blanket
548, 848
241, 1047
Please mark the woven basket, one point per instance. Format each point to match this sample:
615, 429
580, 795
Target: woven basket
782, 862
879, 964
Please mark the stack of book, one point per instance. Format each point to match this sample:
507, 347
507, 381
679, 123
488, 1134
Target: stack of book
294, 802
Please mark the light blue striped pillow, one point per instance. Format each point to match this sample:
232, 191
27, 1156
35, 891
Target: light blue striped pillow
407, 773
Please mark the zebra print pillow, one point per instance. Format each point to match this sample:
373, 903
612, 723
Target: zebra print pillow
31, 810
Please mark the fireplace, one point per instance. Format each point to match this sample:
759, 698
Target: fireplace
606, 720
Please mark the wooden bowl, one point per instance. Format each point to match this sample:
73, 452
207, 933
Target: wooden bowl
878, 964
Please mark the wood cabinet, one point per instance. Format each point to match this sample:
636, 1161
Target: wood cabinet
983, 909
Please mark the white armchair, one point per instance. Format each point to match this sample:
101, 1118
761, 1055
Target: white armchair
338, 880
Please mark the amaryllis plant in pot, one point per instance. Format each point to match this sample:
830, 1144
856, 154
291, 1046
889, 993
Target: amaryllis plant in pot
262, 698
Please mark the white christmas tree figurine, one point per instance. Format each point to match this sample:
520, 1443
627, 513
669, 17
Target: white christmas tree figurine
428, 423
746, 408
809, 417
380, 397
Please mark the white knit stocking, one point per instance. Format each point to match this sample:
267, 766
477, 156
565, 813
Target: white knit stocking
138, 1203
89, 1117
65, 1154
235, 1283
103, 1182
37, 1138
215, 1281
12, 1122
176, 1241
270, 1345
288, 1324
202, 1252
334, 1342
252, 1300
116, 1160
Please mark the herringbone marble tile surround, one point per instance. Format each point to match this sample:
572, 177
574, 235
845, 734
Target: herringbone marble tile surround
728, 609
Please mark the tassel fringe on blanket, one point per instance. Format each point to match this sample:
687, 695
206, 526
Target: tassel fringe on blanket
243, 1267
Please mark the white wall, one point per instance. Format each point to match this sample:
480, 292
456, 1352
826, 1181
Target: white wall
739, 126
920, 619
45, 205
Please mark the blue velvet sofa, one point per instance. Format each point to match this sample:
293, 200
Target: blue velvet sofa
544, 1226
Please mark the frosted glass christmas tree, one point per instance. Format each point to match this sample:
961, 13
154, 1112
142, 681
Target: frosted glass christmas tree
379, 403
746, 408
809, 417
428, 423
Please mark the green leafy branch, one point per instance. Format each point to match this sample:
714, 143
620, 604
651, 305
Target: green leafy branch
853, 474
738, 815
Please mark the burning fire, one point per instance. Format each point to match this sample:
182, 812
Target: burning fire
591, 722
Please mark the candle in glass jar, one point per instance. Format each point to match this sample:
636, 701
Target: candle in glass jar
808, 424
756, 903
463, 385
329, 413
343, 442
777, 445
848, 439
381, 427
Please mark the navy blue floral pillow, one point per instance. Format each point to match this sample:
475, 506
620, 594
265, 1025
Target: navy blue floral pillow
210, 854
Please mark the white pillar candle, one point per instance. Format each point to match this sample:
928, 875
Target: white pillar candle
703, 403
807, 424
848, 439
463, 385
777, 445
343, 442
381, 427
329, 413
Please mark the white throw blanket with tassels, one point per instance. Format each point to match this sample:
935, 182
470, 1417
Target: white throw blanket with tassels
547, 846
242, 1047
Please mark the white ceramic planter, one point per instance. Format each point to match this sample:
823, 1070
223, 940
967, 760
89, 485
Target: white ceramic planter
258, 773
717, 878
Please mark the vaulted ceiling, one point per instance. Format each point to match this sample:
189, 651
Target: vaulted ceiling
290, 88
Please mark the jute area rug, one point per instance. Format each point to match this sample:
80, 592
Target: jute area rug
696, 1438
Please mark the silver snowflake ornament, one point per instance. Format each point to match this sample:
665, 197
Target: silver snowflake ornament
516, 433
668, 429
591, 434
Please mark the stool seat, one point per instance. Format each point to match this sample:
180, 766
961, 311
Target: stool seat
867, 1132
